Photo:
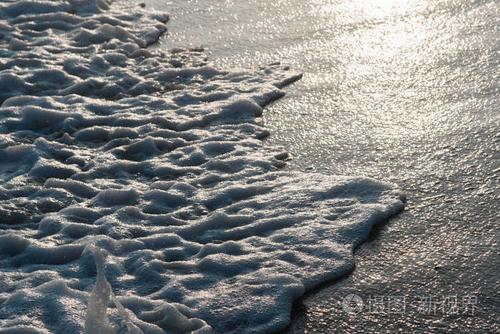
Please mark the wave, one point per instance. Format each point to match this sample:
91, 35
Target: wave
136, 194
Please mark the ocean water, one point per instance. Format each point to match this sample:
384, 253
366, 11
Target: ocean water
137, 193
403, 91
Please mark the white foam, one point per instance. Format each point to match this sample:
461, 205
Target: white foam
96, 320
153, 160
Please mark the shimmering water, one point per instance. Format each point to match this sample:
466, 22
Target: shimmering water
404, 91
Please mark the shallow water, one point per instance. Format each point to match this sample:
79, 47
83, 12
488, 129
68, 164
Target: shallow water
403, 91
136, 192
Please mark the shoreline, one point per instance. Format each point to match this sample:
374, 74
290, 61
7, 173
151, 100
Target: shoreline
138, 194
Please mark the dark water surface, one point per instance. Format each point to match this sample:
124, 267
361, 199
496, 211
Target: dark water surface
402, 91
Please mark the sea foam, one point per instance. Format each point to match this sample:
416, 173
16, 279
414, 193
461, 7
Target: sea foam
136, 194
